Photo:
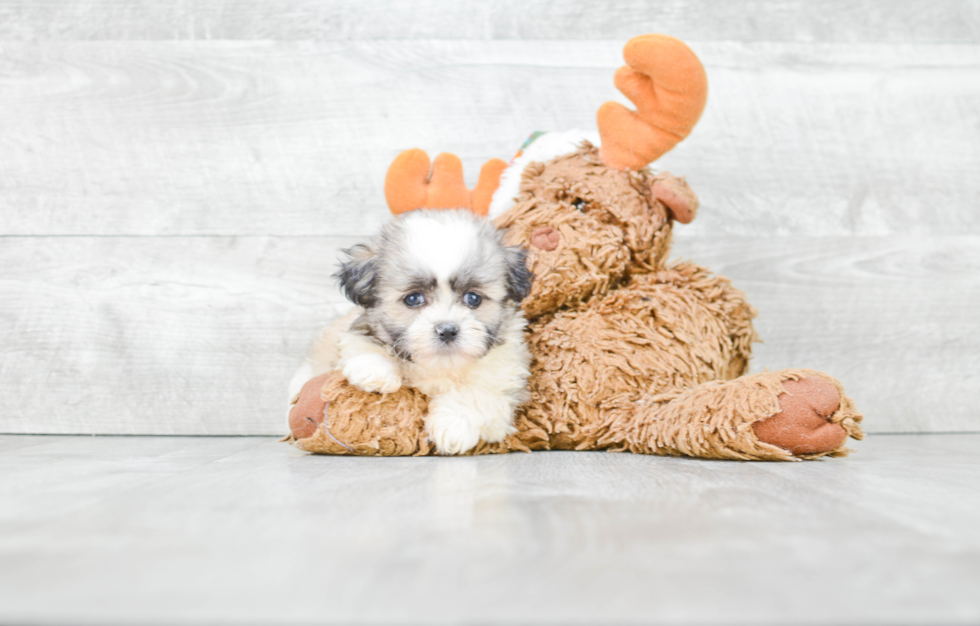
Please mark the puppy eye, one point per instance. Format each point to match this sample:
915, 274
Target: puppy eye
472, 300
413, 300
580, 204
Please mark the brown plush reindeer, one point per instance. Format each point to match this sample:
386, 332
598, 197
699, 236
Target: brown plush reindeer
629, 352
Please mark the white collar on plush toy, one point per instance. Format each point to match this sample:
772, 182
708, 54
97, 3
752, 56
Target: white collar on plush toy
539, 147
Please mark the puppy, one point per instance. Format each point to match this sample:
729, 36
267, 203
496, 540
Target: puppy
437, 298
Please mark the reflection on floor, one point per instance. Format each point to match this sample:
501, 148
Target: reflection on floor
248, 530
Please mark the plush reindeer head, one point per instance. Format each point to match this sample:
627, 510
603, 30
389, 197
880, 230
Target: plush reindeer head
588, 215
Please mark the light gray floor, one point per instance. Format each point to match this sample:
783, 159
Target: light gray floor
146, 530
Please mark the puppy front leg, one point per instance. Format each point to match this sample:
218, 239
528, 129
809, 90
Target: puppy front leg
482, 407
459, 418
368, 366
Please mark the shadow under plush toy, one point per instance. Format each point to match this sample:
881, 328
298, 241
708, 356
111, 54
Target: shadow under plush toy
629, 353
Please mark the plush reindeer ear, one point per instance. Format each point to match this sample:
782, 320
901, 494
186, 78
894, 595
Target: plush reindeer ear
358, 275
413, 183
668, 85
674, 194
519, 278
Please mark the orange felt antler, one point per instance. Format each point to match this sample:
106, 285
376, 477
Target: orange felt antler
413, 183
668, 85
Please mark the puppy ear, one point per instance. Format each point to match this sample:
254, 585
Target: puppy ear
358, 275
519, 278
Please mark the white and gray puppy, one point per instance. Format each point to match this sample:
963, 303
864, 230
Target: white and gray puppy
438, 309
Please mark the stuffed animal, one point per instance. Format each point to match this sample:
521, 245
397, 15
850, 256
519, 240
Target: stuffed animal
630, 352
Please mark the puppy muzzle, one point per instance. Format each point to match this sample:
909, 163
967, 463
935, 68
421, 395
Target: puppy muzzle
447, 332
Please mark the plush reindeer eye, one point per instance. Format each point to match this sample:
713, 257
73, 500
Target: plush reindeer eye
472, 300
414, 300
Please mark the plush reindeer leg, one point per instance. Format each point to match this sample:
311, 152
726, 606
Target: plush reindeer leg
307, 412
774, 416
332, 416
803, 425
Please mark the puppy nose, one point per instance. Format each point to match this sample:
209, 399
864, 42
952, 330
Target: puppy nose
446, 331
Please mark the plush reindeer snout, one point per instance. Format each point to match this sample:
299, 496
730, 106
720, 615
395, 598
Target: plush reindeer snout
545, 238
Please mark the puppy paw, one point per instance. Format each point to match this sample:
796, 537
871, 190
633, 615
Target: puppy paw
498, 429
372, 373
452, 430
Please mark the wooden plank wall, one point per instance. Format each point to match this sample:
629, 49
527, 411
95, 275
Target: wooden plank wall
177, 178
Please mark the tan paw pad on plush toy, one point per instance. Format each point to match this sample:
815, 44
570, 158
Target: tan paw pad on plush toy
629, 352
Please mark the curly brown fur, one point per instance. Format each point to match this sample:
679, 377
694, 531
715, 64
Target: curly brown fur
668, 330
606, 221
627, 353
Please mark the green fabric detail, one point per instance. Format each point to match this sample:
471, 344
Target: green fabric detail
532, 138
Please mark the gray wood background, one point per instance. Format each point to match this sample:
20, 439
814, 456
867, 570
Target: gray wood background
176, 180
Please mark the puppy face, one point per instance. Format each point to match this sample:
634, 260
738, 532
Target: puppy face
439, 287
